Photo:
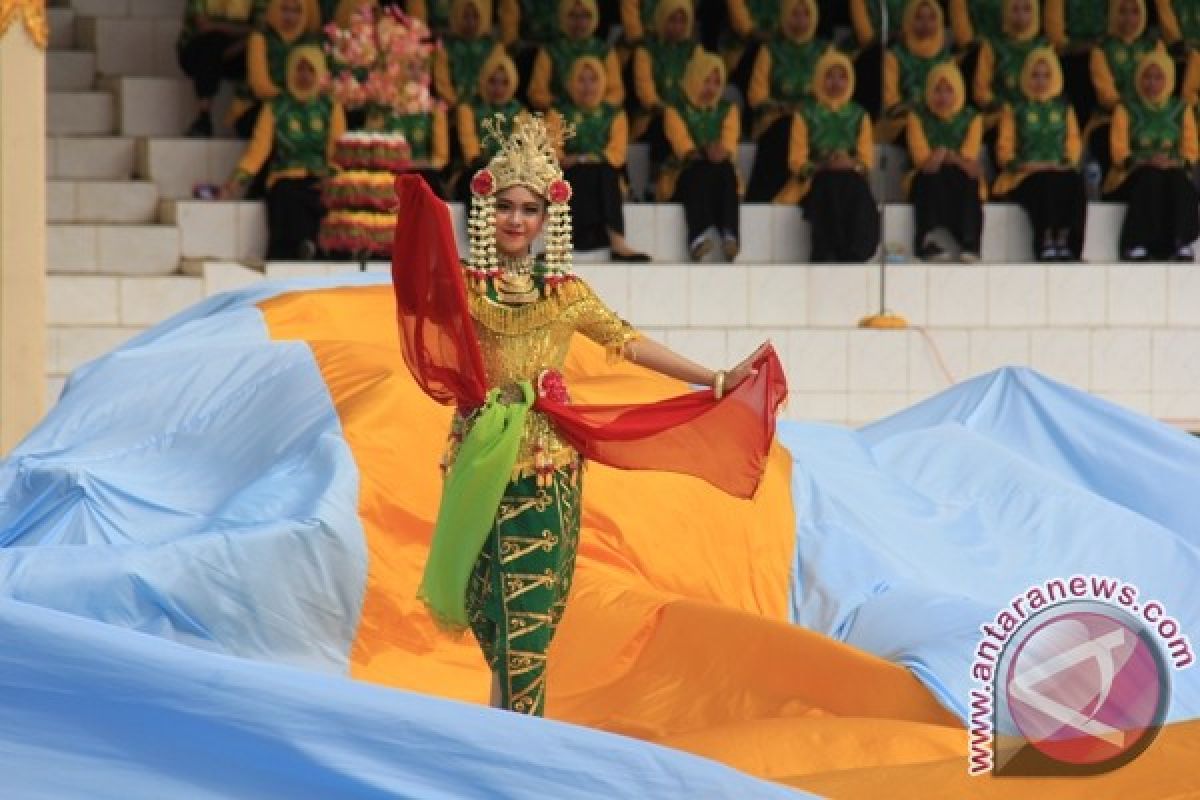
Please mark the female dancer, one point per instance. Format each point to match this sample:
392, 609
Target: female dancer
491, 338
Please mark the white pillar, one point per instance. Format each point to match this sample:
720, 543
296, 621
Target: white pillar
22, 218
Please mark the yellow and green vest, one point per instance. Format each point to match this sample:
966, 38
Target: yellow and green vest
831, 130
593, 127
1086, 20
792, 65
1010, 58
948, 133
914, 71
1155, 130
1041, 129
196, 8
466, 57
670, 60
565, 52
1122, 62
301, 134
484, 111
417, 130
539, 21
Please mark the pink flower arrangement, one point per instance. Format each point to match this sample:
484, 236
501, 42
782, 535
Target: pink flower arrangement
381, 61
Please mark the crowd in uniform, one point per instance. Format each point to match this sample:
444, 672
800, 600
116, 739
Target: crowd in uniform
1012, 100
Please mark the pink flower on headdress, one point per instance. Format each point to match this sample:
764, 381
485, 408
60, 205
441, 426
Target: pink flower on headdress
559, 191
484, 183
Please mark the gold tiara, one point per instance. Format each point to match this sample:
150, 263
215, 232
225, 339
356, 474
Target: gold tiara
527, 155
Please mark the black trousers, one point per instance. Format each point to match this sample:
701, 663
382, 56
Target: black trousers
770, 172
1054, 200
709, 194
842, 215
1160, 211
595, 205
948, 198
203, 60
294, 214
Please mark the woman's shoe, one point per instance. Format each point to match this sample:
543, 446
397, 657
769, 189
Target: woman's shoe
201, 127
1184, 253
730, 248
632, 257
701, 248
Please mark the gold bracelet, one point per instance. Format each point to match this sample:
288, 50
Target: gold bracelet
719, 384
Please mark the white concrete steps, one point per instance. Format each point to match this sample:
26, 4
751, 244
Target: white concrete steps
62, 28
90, 158
131, 46
80, 113
70, 70
112, 249
150, 106
154, 9
218, 231
177, 165
127, 202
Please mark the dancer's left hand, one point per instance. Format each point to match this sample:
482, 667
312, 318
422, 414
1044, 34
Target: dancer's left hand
740, 373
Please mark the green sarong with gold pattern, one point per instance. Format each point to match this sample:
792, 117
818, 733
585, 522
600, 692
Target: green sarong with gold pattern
519, 587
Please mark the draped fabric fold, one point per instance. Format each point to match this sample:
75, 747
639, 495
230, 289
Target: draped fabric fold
724, 442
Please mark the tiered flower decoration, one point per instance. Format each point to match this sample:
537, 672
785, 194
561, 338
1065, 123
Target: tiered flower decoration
380, 63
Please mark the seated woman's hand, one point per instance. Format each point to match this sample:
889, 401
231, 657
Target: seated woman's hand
740, 373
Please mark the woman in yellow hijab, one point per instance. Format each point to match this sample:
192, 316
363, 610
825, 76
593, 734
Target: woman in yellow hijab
780, 84
659, 61
294, 136
470, 43
495, 94
944, 136
287, 24
592, 159
997, 74
212, 47
703, 131
906, 65
1153, 149
1038, 150
829, 157
577, 22
1112, 65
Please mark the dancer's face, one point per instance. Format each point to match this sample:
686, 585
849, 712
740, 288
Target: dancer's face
520, 215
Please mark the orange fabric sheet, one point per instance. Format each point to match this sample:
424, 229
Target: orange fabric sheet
676, 631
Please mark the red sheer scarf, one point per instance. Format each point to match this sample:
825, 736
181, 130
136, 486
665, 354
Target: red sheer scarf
724, 442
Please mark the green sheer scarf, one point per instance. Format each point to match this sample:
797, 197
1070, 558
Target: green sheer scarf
470, 496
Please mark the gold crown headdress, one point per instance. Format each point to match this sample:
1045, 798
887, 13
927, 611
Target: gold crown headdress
526, 156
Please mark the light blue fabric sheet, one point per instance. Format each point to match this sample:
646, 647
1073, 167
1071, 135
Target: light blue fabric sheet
98, 712
918, 529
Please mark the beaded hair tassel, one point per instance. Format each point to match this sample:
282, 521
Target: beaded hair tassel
526, 156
